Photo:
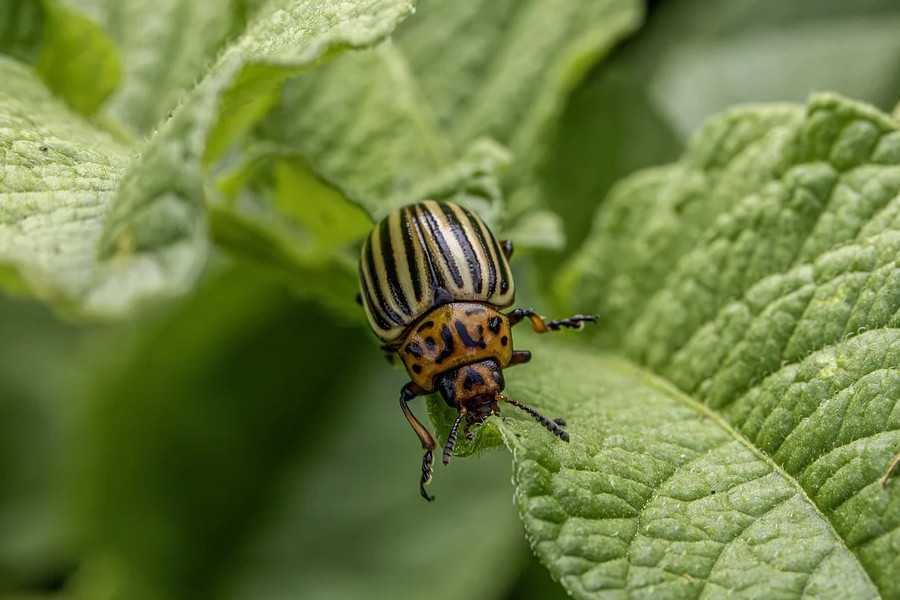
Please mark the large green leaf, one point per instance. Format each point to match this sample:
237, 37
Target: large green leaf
757, 282
657, 496
124, 226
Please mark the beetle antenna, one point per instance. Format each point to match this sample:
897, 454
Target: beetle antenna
451, 439
551, 426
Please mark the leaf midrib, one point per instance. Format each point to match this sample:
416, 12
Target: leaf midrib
668, 389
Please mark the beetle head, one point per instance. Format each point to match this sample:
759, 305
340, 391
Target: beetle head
475, 387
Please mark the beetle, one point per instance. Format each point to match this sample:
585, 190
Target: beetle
433, 280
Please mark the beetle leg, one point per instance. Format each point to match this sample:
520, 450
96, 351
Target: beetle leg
552, 426
410, 391
890, 471
519, 357
507, 248
469, 435
451, 439
541, 326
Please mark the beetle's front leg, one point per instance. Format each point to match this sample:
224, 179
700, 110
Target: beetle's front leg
410, 391
541, 326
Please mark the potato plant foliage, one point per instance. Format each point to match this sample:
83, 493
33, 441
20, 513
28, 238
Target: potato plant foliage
191, 405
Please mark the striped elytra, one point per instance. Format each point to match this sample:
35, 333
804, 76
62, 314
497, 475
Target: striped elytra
433, 280
424, 255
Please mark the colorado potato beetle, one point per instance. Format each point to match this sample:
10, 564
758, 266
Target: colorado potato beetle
432, 281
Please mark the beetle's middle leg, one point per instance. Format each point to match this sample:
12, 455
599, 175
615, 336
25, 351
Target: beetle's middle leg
410, 391
541, 326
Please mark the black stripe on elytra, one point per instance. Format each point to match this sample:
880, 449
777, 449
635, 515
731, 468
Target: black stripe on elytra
444, 249
505, 276
406, 225
490, 263
390, 266
376, 288
447, 338
472, 379
466, 339
460, 232
436, 277
380, 321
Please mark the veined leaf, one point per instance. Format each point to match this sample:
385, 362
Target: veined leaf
133, 229
758, 278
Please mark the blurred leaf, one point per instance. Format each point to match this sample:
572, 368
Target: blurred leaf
249, 447
350, 523
404, 125
70, 53
141, 234
609, 130
21, 27
758, 275
36, 420
497, 81
58, 175
77, 62
166, 46
700, 58
693, 59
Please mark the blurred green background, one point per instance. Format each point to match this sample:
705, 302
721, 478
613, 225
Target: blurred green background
246, 443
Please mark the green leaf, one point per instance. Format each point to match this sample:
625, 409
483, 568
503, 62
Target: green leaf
135, 224
165, 46
58, 176
37, 418
657, 496
71, 54
495, 87
247, 445
757, 279
692, 52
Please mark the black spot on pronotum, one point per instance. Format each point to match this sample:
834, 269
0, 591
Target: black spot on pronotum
477, 310
424, 326
414, 349
504, 340
494, 324
417, 369
447, 338
466, 339
429, 341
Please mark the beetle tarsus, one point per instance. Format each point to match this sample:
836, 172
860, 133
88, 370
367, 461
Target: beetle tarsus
541, 326
552, 426
427, 461
451, 439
